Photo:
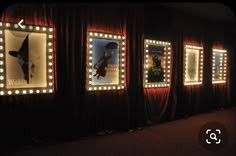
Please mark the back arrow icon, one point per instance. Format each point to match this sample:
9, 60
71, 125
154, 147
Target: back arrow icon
20, 23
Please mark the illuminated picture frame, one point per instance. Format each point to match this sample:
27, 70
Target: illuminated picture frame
157, 62
105, 69
219, 66
193, 65
26, 59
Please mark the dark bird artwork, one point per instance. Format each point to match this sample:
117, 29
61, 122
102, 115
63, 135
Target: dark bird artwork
23, 57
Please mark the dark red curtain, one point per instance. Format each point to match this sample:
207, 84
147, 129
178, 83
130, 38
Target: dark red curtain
72, 111
105, 109
72, 108
208, 34
159, 102
24, 116
135, 45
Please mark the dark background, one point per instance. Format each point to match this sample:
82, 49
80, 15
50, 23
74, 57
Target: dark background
72, 112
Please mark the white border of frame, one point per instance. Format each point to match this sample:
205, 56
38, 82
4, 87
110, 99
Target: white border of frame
223, 69
49, 60
121, 39
200, 76
167, 58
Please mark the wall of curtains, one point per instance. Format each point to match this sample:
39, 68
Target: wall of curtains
71, 111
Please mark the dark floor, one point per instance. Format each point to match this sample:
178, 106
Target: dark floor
176, 138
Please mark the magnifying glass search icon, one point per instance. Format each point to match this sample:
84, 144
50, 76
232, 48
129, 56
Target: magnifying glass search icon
213, 136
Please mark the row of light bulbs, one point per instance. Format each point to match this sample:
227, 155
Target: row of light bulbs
25, 27
193, 47
156, 42
192, 83
26, 91
220, 81
157, 85
1, 60
106, 88
103, 35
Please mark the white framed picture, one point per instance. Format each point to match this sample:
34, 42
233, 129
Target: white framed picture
157, 62
193, 65
26, 59
105, 61
219, 66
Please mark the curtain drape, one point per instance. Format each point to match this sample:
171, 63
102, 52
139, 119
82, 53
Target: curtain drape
71, 110
208, 96
106, 108
24, 116
159, 102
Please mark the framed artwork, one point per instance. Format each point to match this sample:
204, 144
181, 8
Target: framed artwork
157, 61
193, 65
219, 66
26, 59
105, 61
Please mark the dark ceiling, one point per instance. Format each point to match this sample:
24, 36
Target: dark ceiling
212, 11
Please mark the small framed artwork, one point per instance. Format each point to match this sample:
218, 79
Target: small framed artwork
105, 62
26, 59
157, 62
219, 66
193, 65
